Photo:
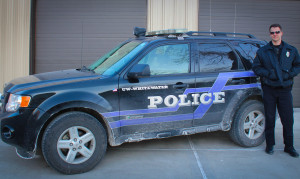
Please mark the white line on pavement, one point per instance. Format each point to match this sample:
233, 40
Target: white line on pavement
181, 149
197, 158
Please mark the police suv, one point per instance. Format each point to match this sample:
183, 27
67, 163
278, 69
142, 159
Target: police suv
156, 85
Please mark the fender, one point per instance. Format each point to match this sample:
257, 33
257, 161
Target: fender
236, 101
52, 106
54, 101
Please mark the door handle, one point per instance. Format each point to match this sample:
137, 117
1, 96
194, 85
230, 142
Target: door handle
238, 81
180, 85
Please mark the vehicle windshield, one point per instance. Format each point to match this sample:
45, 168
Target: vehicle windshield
112, 62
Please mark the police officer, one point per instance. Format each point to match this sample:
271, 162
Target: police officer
277, 63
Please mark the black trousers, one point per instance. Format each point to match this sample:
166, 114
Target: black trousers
283, 100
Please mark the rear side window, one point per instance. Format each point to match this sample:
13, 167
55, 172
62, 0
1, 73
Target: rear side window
217, 57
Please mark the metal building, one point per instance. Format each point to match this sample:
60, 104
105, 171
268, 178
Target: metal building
46, 35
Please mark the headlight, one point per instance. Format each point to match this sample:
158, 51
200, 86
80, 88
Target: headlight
17, 101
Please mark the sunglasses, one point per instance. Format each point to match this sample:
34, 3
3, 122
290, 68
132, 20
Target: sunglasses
276, 32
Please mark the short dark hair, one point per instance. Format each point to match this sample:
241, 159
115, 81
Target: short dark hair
275, 25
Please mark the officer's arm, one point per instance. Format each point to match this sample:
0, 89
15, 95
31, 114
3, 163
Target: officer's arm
296, 65
258, 67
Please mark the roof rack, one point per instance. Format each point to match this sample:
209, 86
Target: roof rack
224, 34
171, 33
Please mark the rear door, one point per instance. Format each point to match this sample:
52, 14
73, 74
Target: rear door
219, 68
159, 102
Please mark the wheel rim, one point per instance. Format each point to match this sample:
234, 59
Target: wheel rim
254, 124
76, 145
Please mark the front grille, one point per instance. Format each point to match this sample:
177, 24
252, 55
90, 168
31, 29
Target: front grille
2, 101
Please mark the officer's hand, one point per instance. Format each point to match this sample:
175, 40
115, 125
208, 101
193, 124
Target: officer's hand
272, 75
286, 75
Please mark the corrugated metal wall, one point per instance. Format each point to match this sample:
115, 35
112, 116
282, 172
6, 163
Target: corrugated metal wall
14, 39
72, 33
254, 17
172, 14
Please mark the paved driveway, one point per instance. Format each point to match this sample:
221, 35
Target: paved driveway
206, 155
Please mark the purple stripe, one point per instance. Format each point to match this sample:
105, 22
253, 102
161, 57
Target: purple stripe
218, 86
254, 85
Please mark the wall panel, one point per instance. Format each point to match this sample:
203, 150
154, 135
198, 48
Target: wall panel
14, 39
73, 33
254, 17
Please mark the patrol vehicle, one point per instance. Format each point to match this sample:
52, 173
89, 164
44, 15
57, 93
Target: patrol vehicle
153, 86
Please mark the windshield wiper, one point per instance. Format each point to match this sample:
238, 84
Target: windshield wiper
84, 69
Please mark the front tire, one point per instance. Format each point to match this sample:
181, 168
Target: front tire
74, 142
248, 126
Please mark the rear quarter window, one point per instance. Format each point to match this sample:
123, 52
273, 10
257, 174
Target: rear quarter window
247, 52
249, 49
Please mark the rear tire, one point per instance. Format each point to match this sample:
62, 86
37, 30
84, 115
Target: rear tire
248, 126
74, 142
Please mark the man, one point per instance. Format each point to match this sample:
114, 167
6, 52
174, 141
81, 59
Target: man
277, 63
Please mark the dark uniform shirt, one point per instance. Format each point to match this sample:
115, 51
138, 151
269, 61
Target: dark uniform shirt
278, 50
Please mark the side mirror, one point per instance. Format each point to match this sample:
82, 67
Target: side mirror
139, 70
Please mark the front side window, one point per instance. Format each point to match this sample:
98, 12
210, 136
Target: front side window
168, 59
217, 57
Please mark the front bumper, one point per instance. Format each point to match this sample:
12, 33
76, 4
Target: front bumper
19, 130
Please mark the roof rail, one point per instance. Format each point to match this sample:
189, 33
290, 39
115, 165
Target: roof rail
224, 34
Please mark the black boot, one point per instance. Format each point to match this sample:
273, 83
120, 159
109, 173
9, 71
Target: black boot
269, 150
291, 150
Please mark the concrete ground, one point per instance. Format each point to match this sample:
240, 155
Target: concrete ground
206, 155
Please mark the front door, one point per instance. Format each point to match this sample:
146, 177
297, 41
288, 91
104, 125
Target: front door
160, 102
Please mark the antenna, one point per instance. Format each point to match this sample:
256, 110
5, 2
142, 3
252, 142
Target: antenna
81, 42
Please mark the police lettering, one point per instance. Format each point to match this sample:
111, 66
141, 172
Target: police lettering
181, 100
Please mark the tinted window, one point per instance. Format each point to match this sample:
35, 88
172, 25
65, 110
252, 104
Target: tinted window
249, 49
217, 57
168, 59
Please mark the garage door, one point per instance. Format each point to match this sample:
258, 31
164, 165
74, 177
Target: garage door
254, 17
73, 33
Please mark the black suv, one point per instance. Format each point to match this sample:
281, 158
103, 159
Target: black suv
151, 86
